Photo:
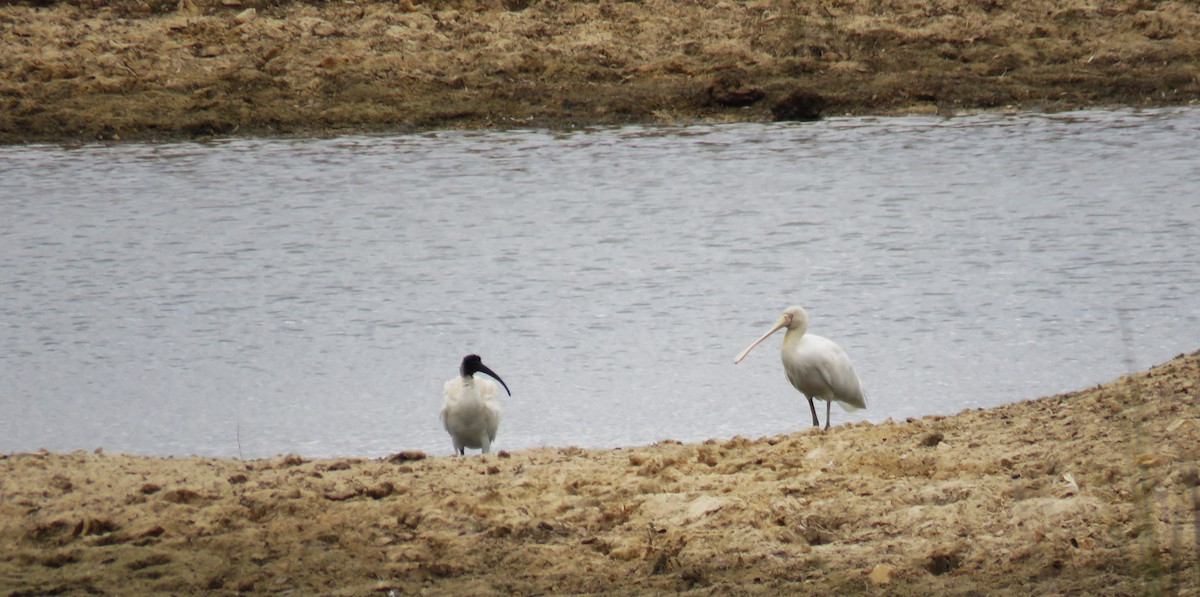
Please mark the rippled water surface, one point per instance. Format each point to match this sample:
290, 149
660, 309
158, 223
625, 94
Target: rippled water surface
311, 296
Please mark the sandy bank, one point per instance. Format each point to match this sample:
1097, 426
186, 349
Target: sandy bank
1094, 492
170, 69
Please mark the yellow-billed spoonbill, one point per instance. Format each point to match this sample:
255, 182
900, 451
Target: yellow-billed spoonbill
815, 365
471, 413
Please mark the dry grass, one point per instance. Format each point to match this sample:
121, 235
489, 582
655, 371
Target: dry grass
91, 69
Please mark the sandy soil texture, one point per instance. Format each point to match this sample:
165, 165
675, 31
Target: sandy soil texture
1091, 493
170, 69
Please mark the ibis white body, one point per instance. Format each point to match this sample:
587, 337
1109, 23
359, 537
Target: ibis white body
815, 365
471, 412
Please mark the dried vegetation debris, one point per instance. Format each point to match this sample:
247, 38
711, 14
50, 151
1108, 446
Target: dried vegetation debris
88, 69
1095, 491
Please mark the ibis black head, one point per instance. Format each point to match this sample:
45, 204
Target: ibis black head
472, 364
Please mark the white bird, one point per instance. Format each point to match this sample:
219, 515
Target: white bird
815, 365
471, 413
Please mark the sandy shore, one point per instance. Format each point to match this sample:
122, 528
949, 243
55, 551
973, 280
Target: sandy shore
1095, 492
83, 70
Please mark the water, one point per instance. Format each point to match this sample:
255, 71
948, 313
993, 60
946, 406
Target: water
259, 297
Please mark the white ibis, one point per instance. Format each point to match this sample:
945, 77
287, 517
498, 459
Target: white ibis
815, 365
471, 413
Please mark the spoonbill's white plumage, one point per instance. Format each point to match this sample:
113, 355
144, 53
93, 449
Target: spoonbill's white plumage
471, 413
815, 365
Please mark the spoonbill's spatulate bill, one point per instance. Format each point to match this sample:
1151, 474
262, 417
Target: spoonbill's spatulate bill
816, 366
471, 413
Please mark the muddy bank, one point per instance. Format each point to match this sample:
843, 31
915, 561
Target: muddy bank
1094, 492
169, 69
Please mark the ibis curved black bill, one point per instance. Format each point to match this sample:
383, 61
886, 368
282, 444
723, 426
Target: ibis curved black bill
472, 364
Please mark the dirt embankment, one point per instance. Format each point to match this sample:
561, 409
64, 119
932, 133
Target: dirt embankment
144, 69
1095, 492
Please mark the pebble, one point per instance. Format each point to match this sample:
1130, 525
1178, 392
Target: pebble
245, 16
